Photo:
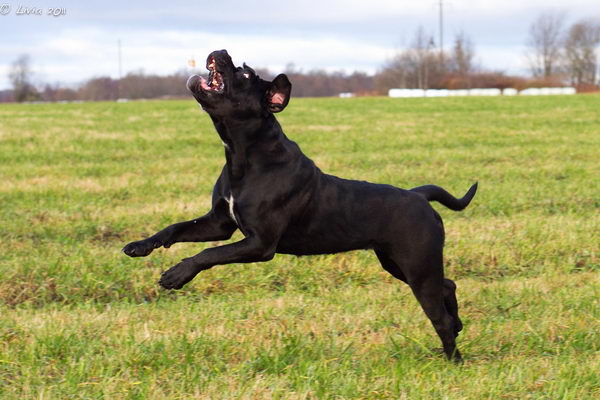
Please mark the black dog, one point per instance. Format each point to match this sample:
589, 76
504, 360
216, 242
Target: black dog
283, 203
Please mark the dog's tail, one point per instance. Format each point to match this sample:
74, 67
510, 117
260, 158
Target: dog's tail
436, 193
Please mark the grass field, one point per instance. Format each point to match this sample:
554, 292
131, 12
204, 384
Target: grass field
78, 319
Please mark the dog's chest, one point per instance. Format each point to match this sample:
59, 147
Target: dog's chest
231, 203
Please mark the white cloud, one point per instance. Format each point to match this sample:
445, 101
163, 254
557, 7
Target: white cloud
336, 34
77, 55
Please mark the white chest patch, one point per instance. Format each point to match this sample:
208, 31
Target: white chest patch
231, 213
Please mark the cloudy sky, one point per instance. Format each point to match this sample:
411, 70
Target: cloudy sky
160, 36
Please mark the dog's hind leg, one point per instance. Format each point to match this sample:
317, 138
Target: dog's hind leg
436, 296
426, 280
451, 304
429, 294
390, 265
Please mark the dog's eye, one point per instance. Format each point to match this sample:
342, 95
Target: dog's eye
246, 75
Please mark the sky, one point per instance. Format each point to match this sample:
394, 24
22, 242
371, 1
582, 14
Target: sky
161, 36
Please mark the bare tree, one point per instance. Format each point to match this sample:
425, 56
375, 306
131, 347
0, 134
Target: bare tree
393, 74
416, 67
460, 66
99, 89
20, 76
581, 55
420, 58
463, 53
545, 43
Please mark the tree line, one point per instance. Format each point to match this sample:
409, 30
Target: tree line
138, 85
569, 53
557, 55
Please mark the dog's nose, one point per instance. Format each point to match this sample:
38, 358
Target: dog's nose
192, 82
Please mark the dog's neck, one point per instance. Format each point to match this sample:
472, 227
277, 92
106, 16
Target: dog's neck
237, 135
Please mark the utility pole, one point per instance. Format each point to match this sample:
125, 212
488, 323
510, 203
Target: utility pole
120, 69
120, 61
441, 5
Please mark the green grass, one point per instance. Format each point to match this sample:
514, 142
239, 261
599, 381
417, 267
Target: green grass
78, 319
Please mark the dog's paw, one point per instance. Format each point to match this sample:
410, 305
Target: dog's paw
179, 275
141, 248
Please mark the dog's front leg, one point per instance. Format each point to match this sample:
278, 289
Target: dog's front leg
250, 249
213, 226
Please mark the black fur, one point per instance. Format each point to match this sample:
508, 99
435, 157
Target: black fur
283, 203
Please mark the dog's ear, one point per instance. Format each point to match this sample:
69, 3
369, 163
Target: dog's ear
279, 93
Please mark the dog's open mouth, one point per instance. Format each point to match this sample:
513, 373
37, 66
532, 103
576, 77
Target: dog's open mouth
215, 78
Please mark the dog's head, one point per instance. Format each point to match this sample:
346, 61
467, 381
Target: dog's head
238, 91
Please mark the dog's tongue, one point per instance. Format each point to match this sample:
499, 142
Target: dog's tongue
196, 81
204, 84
